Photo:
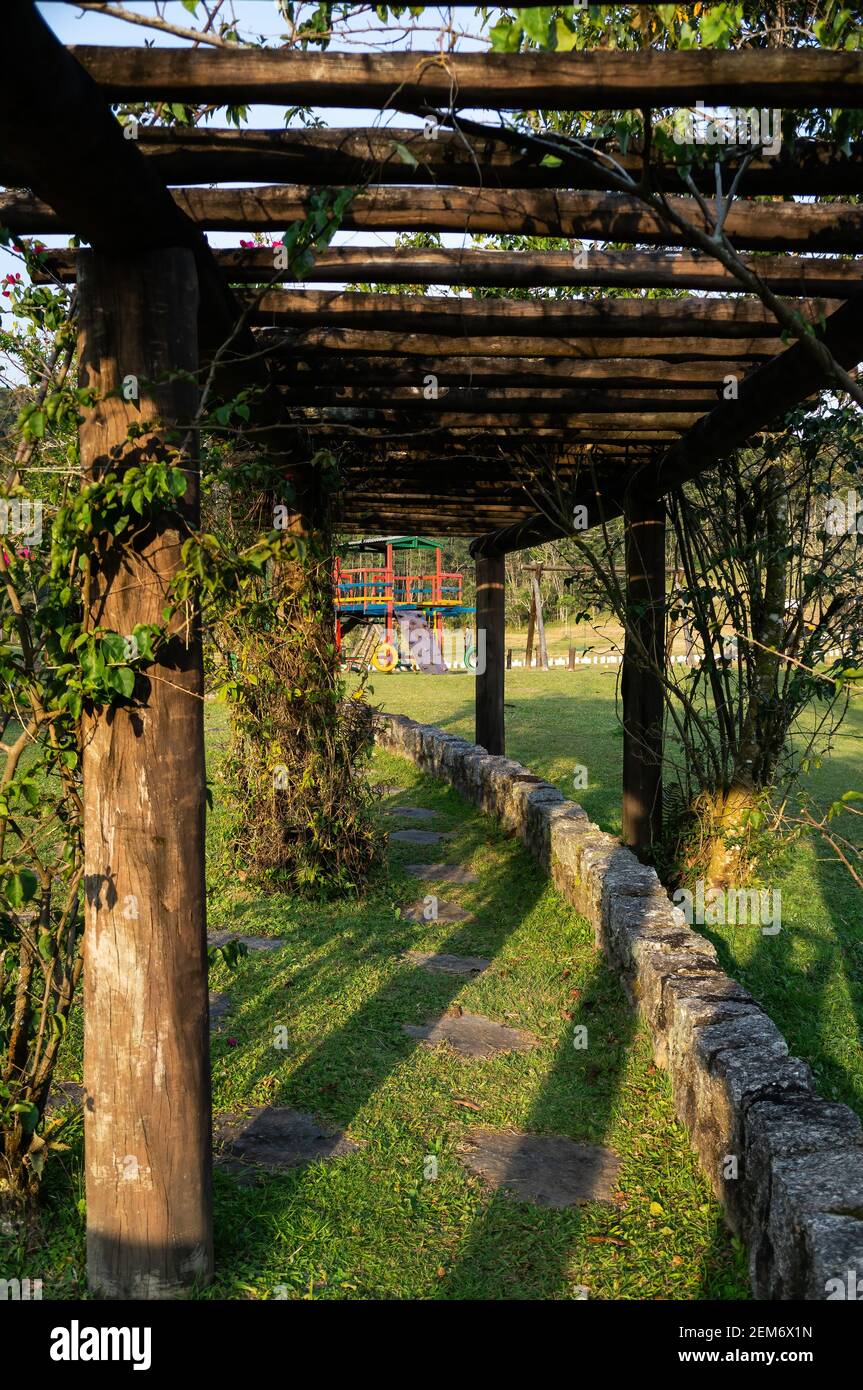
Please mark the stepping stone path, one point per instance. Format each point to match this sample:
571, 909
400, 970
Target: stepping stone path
446, 912
441, 873
220, 1004
275, 1138
544, 1168
472, 1035
448, 965
254, 943
412, 812
417, 837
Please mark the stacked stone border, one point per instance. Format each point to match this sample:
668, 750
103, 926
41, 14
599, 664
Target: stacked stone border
749, 1107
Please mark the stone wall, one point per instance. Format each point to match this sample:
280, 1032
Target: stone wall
750, 1108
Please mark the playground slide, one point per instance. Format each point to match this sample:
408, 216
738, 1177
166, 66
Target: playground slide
419, 644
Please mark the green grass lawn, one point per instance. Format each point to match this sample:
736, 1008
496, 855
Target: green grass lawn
368, 1225
810, 976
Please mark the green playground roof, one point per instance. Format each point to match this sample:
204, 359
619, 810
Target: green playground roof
397, 543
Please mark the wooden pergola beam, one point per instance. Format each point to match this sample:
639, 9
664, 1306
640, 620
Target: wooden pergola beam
59, 138
302, 341
640, 374
514, 399
828, 227
769, 392
637, 422
803, 276
511, 82
692, 316
607, 427
206, 154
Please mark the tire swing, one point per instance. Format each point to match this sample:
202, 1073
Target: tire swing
386, 658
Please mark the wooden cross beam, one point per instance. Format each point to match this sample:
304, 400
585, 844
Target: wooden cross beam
302, 341
764, 396
787, 275
692, 316
207, 154
827, 227
303, 366
599, 80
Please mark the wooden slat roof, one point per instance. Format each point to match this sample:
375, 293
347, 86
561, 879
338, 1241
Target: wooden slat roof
602, 388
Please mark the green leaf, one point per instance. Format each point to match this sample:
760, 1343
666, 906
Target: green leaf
122, 679
114, 647
564, 37
536, 22
506, 37
405, 155
550, 161
21, 887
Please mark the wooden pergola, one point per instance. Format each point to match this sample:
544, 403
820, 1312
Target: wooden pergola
624, 397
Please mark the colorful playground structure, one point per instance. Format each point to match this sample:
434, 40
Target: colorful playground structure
401, 603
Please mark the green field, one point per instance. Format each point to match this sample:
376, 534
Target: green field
368, 1225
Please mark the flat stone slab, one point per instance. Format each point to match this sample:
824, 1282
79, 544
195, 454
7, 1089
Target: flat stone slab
448, 965
442, 873
547, 1169
278, 1138
254, 943
416, 837
412, 812
220, 1004
471, 1035
446, 912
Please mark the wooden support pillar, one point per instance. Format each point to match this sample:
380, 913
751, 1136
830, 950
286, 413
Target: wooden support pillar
147, 1120
540, 620
531, 621
641, 684
490, 619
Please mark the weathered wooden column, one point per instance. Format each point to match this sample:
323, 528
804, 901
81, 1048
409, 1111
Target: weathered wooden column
490, 619
643, 659
146, 1044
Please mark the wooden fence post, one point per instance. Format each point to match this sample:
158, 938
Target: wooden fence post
490, 618
147, 1112
641, 684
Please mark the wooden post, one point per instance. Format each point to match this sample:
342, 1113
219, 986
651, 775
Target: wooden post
641, 685
531, 619
490, 613
540, 621
147, 1120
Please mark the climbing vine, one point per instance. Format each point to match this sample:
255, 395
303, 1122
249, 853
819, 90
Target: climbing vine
260, 591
